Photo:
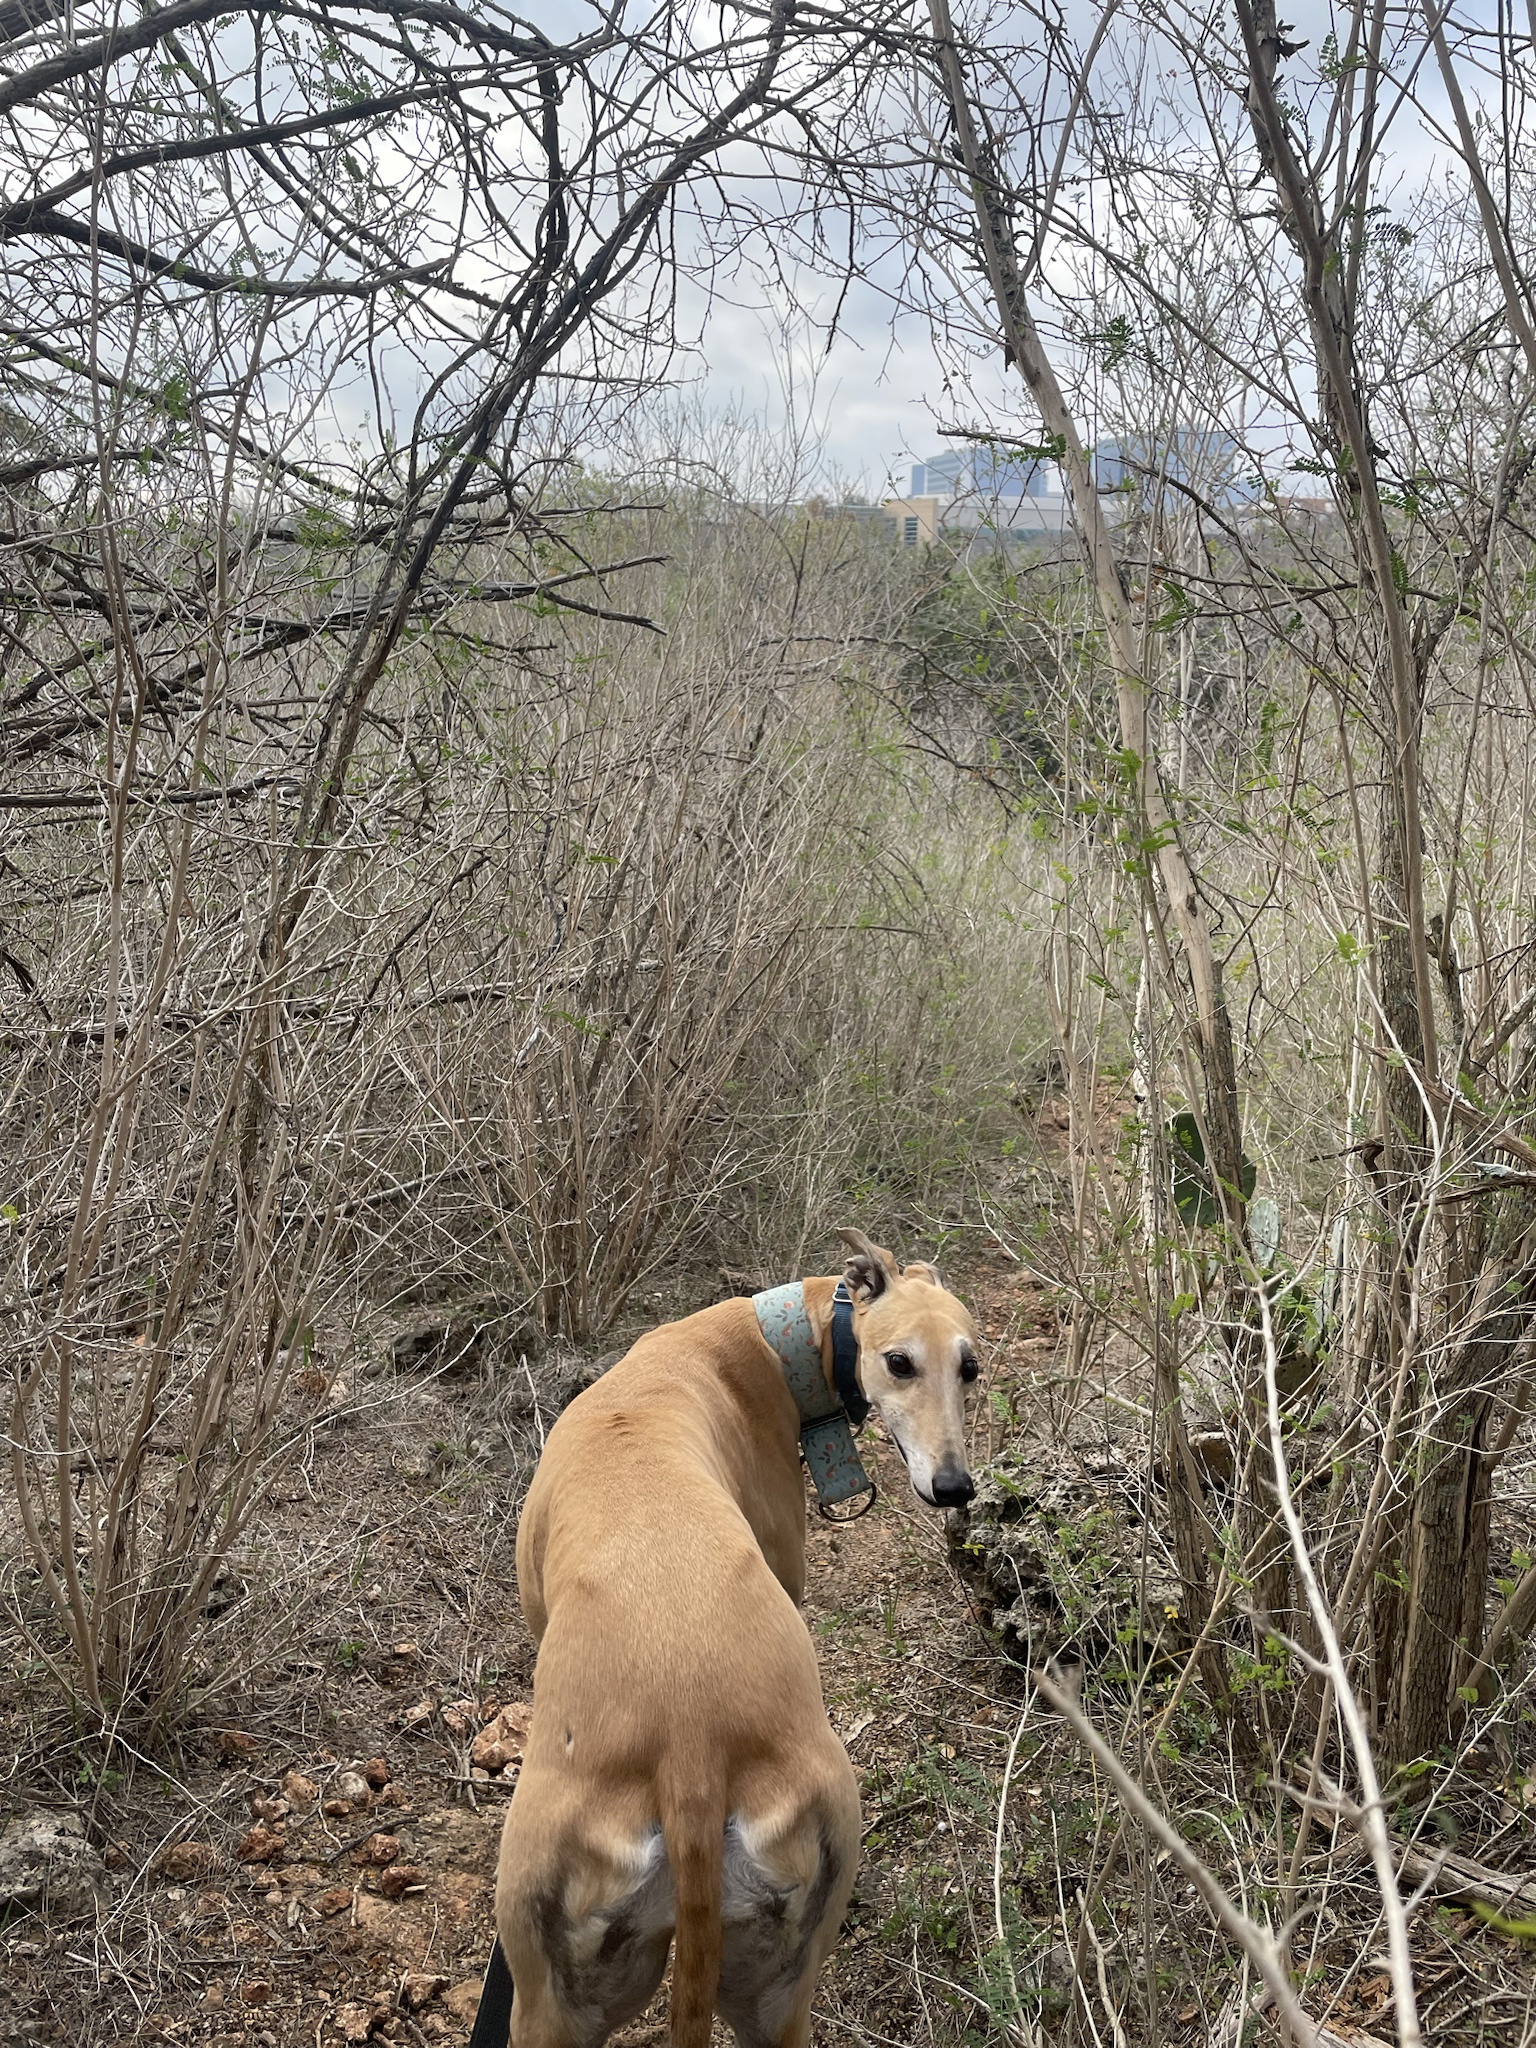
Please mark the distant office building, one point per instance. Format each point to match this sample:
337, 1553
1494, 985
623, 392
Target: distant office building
1011, 495
911, 521
986, 473
982, 489
985, 485
914, 521
1207, 461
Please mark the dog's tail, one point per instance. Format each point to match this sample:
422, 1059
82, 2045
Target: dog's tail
693, 1828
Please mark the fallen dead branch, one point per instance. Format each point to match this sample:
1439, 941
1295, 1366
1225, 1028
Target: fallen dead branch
1453, 1876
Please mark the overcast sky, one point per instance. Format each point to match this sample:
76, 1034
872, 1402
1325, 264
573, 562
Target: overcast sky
863, 409
874, 401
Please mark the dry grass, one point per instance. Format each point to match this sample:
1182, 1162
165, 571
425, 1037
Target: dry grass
608, 967
410, 1498
657, 969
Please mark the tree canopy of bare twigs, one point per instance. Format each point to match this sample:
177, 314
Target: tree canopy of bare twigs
429, 846
301, 313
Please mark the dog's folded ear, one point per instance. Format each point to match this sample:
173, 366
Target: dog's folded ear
869, 1270
921, 1269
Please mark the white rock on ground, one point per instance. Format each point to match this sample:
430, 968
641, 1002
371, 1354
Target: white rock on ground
47, 1864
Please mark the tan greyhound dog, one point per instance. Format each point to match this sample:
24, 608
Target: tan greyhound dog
681, 1775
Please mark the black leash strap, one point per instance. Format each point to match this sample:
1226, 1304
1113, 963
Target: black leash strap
493, 2017
845, 1378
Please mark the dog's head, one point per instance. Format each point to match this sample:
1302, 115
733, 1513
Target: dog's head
917, 1358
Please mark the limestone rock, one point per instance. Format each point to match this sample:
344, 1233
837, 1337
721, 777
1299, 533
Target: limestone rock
46, 1863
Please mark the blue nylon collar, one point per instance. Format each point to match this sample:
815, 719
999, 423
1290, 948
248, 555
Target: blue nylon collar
826, 1441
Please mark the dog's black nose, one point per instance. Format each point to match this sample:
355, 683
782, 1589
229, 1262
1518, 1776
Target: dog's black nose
953, 1486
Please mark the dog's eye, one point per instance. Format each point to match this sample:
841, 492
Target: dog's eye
899, 1366
968, 1369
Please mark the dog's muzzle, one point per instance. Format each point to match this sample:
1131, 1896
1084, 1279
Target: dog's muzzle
953, 1487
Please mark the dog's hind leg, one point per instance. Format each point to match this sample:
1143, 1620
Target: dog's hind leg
587, 1945
784, 1904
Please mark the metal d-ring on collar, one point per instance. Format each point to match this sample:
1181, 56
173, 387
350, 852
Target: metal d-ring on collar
826, 1440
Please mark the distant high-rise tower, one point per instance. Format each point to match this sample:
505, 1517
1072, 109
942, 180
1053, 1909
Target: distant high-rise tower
985, 473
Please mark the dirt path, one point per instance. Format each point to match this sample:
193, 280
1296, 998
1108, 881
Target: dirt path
318, 1870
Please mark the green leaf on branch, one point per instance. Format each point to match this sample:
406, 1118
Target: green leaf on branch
1181, 608
1194, 1193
